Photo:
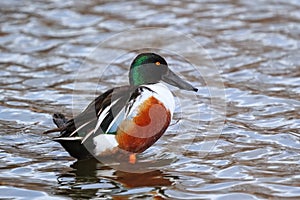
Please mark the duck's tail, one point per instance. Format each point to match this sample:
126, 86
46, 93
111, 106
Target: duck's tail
73, 145
60, 121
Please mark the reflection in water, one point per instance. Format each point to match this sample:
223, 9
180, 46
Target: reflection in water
89, 178
254, 43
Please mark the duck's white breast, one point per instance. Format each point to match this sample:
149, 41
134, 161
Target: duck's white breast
160, 92
164, 95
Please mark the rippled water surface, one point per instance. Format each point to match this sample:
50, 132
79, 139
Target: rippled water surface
255, 44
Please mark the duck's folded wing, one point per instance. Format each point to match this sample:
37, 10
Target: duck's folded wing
120, 106
101, 115
116, 108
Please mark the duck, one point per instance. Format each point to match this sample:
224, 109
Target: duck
129, 117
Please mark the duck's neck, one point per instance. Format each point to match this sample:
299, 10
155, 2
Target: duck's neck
136, 78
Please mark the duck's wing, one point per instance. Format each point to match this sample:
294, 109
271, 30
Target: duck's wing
104, 115
98, 115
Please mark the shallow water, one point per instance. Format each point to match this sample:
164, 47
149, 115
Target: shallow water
255, 45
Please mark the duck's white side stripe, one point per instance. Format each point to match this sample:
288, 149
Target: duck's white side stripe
104, 113
68, 138
79, 128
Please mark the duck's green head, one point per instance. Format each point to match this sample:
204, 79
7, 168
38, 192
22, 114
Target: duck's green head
150, 68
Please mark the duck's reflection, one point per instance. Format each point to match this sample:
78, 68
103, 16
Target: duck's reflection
89, 178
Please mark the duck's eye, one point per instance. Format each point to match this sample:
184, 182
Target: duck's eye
157, 63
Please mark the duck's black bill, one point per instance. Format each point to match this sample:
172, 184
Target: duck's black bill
176, 81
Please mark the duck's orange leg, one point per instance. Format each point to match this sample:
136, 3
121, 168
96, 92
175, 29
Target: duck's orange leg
132, 158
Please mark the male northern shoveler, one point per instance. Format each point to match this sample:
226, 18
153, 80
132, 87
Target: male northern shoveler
131, 117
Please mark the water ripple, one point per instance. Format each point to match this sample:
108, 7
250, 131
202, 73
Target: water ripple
254, 43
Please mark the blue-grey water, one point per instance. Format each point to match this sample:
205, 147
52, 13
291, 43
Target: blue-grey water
255, 45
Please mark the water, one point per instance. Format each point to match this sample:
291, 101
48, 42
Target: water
255, 44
